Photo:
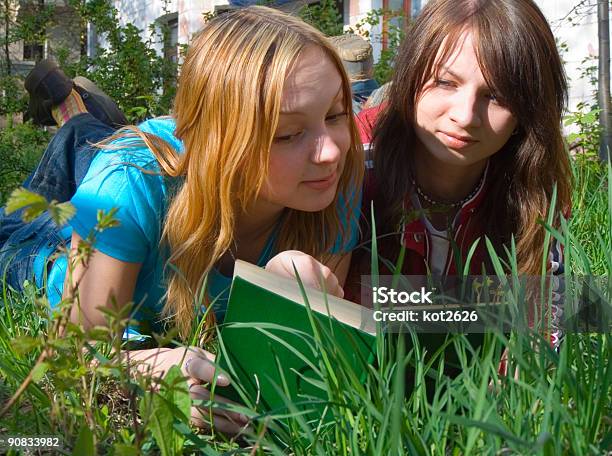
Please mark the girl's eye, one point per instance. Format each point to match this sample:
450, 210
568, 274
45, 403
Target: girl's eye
336, 117
443, 83
288, 138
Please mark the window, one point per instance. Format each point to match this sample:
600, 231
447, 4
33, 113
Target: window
169, 28
171, 40
33, 51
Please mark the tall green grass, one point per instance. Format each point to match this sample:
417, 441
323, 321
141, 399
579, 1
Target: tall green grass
551, 402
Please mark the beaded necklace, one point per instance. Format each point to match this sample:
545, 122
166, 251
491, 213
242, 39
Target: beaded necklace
456, 204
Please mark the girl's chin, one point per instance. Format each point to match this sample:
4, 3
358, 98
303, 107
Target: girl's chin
450, 157
316, 205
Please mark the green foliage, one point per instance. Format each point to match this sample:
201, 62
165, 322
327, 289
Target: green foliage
591, 178
34, 205
129, 70
393, 35
552, 402
12, 99
323, 16
84, 444
590, 221
21, 146
584, 121
21, 21
32, 22
171, 403
27, 24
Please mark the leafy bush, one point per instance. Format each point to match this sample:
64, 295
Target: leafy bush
21, 146
129, 69
323, 16
590, 220
393, 35
12, 97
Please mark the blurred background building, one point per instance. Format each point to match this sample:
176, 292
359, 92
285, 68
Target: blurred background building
574, 23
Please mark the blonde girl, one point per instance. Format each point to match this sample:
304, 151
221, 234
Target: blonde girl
260, 156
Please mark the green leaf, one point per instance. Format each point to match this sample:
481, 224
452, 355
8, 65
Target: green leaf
106, 219
121, 449
572, 136
84, 444
39, 371
156, 412
25, 344
61, 212
32, 204
176, 392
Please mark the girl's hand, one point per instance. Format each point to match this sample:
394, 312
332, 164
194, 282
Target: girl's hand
195, 363
312, 273
199, 370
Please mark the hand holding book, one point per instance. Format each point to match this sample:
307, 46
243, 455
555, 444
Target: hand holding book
313, 273
200, 371
196, 365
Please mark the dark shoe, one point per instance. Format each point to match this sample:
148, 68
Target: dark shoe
48, 86
99, 104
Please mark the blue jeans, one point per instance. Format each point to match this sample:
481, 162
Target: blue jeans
25, 247
363, 89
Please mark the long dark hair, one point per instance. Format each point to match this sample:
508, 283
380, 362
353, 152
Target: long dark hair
518, 57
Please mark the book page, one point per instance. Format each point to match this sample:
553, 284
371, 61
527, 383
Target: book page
342, 310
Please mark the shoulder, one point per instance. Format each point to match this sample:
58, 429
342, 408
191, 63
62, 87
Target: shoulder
125, 177
163, 127
128, 153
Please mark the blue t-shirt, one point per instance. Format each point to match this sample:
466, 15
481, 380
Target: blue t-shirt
119, 179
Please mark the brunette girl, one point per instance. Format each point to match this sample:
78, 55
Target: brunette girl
468, 144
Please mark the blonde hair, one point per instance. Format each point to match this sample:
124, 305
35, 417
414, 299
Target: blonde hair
227, 109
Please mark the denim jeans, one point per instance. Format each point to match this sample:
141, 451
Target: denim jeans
363, 89
25, 247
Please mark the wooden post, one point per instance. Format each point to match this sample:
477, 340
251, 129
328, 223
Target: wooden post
605, 119
384, 25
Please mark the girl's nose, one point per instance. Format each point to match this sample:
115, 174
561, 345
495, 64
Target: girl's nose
327, 149
464, 110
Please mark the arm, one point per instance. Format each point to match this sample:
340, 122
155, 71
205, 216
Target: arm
103, 282
107, 282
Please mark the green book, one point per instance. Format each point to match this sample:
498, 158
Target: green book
267, 340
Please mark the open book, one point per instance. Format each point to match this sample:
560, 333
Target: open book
268, 345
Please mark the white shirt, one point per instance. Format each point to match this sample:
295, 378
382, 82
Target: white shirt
439, 242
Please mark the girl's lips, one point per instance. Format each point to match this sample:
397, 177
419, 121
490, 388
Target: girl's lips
322, 184
456, 142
